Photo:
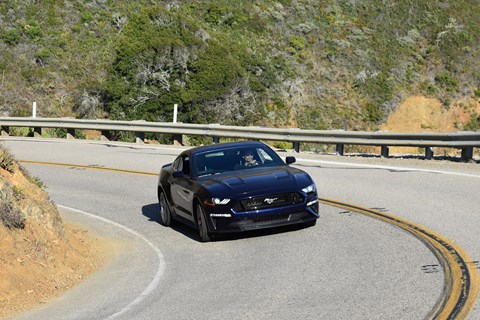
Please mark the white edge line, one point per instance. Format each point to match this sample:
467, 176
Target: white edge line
347, 164
152, 286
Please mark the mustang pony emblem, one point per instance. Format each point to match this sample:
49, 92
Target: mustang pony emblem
270, 200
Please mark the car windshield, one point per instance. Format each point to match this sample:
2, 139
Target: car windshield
232, 159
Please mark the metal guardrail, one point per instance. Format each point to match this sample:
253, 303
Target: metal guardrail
465, 141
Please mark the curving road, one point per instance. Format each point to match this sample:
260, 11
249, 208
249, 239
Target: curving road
348, 266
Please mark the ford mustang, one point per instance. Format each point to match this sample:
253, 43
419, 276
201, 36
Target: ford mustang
234, 187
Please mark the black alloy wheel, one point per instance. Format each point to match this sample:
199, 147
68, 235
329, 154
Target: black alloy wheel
202, 225
165, 214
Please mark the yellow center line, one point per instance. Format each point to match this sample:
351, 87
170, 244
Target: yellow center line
91, 167
461, 277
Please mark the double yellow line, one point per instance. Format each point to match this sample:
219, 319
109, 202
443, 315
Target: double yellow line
461, 277
461, 286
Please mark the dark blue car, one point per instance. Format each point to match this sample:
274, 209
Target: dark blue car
234, 187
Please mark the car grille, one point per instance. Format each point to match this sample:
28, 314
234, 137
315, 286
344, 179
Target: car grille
271, 201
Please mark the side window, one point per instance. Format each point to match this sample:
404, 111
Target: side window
186, 165
182, 163
178, 164
264, 156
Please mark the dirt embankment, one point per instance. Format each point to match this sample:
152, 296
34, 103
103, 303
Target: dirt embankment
40, 256
421, 114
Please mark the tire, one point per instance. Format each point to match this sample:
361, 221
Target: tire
165, 217
202, 225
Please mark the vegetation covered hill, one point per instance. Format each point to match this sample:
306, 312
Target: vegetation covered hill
311, 64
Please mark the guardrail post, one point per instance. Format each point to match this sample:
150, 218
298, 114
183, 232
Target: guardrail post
5, 131
37, 132
340, 149
216, 139
467, 153
70, 133
296, 146
177, 140
139, 137
428, 153
385, 152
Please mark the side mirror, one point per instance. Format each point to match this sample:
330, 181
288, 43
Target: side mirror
290, 160
178, 174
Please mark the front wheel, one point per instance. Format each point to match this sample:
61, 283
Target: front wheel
202, 225
165, 214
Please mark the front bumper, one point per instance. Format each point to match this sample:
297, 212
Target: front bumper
264, 219
225, 226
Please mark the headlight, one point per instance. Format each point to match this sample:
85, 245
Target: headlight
220, 201
216, 201
311, 188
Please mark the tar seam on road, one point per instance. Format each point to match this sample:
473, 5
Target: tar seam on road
161, 263
461, 286
461, 278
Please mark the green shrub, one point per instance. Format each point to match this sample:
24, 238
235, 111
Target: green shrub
36, 181
43, 54
60, 133
33, 30
10, 37
474, 123
86, 17
373, 113
477, 93
10, 216
445, 80
298, 43
7, 160
282, 145
18, 193
32, 179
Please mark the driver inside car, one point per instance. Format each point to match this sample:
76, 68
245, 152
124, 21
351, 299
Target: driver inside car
249, 160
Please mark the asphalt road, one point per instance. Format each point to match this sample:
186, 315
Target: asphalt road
348, 266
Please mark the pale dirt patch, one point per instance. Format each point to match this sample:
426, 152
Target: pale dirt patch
35, 269
421, 114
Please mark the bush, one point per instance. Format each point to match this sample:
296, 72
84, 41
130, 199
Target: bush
18, 193
477, 93
10, 216
373, 113
282, 145
446, 80
7, 160
474, 123
32, 179
33, 30
10, 37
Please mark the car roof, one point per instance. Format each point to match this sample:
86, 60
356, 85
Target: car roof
225, 145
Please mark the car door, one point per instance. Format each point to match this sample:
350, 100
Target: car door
181, 186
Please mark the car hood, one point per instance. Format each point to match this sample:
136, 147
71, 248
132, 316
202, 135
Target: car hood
256, 181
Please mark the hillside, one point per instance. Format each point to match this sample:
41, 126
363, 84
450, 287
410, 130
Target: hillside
40, 256
296, 63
